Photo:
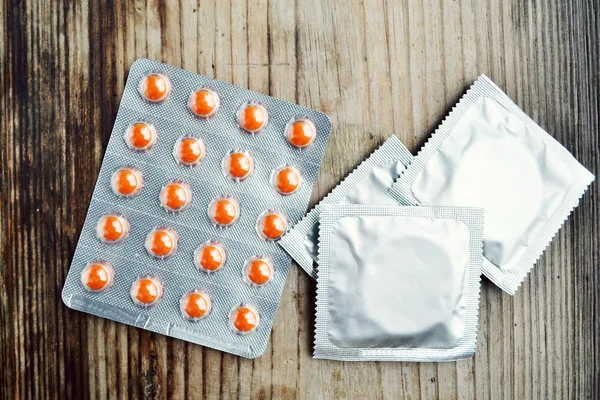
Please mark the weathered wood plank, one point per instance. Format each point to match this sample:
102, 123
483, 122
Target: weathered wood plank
376, 67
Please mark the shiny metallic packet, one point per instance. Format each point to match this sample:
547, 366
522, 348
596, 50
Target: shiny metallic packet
367, 184
398, 283
488, 153
177, 273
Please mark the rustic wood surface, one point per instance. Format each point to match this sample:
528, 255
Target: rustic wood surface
376, 67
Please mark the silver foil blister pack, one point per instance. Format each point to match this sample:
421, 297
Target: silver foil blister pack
488, 153
369, 183
164, 202
398, 283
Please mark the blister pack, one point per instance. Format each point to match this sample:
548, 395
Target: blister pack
398, 283
488, 153
369, 183
199, 181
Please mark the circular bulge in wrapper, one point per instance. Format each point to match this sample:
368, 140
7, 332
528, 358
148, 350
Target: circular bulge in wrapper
140, 136
210, 256
271, 225
300, 132
195, 305
238, 165
204, 102
253, 117
161, 243
127, 182
258, 271
224, 211
244, 319
97, 276
189, 151
112, 228
155, 87
286, 179
146, 291
175, 197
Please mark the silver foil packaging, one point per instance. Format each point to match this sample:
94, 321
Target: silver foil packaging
398, 283
199, 180
367, 184
488, 153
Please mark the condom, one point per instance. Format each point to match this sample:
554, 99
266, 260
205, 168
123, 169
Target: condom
398, 283
488, 153
369, 183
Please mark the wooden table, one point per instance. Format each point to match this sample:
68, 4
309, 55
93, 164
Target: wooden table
376, 68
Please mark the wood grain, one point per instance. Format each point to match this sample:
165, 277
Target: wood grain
376, 67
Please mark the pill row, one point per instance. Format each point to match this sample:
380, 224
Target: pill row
205, 102
162, 243
195, 305
237, 165
223, 211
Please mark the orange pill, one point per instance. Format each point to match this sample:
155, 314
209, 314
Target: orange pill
155, 88
195, 305
97, 276
244, 319
253, 117
127, 182
189, 151
286, 180
301, 132
238, 165
258, 271
161, 242
146, 291
140, 136
112, 229
224, 211
210, 256
204, 102
176, 196
271, 225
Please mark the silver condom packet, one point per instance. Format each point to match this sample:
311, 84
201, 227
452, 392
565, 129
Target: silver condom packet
369, 183
488, 153
398, 283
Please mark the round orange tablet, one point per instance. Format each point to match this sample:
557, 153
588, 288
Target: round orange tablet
244, 319
253, 117
286, 180
175, 196
97, 276
155, 88
112, 228
195, 305
224, 211
258, 271
127, 182
238, 165
161, 242
210, 256
140, 136
301, 132
271, 225
146, 291
189, 151
204, 102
